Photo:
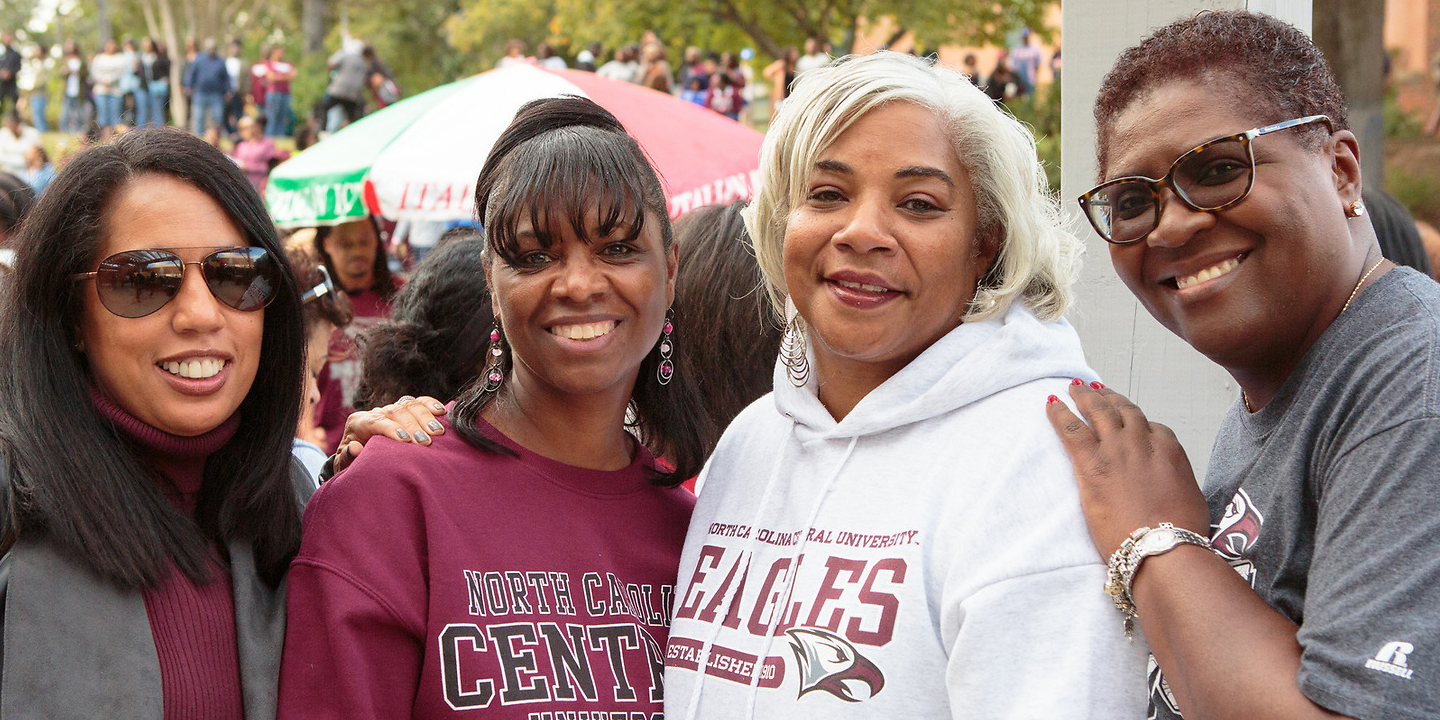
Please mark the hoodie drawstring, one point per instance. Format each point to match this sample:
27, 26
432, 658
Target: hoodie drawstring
730, 592
779, 610
790, 582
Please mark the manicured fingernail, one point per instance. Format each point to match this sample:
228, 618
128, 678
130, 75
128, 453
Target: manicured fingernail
1097, 385
1077, 381
421, 437
438, 407
402, 434
1051, 399
434, 426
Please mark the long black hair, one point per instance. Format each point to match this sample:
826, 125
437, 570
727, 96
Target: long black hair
434, 342
558, 159
381, 280
72, 477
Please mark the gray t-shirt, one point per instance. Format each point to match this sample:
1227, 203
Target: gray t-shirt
1327, 501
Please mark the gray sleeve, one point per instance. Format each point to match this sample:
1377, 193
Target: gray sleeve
1371, 631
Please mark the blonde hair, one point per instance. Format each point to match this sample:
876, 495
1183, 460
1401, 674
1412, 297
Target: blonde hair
1037, 258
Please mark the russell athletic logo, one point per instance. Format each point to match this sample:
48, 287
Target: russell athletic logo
829, 662
1393, 658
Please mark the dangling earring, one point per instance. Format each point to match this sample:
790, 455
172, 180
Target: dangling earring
793, 347
1355, 209
666, 369
495, 368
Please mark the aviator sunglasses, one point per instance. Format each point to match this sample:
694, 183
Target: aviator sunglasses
1213, 176
136, 283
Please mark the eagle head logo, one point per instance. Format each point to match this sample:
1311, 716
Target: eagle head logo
829, 662
1237, 532
1239, 529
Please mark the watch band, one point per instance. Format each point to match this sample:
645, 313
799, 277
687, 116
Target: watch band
1125, 562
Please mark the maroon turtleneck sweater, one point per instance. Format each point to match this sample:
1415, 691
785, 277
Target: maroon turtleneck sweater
193, 625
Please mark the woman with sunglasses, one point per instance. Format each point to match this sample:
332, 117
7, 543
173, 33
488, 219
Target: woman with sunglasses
523, 564
1303, 580
325, 310
150, 509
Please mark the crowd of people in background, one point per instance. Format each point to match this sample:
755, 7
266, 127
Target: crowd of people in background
243, 103
921, 508
235, 102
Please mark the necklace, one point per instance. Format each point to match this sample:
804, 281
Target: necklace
1356, 291
1246, 397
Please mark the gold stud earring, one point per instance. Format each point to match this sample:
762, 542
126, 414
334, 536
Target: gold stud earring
1355, 209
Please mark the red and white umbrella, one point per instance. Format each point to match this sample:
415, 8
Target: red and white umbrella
418, 159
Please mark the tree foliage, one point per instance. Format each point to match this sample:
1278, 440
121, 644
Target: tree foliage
429, 42
482, 26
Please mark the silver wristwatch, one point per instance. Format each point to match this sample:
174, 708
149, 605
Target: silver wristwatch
1125, 562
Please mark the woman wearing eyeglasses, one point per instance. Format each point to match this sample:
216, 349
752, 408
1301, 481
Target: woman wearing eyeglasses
1303, 581
150, 509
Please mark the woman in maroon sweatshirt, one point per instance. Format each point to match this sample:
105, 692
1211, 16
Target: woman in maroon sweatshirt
523, 565
149, 512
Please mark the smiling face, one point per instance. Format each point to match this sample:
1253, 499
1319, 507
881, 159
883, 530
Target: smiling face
186, 367
881, 256
579, 316
352, 248
1253, 285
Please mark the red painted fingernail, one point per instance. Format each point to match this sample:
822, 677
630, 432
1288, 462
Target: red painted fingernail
1097, 385
1051, 399
1077, 381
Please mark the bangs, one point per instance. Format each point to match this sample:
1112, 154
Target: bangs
562, 177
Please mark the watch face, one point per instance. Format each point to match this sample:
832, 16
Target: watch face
1157, 540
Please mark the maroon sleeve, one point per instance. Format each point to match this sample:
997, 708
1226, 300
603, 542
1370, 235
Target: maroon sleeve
356, 599
331, 413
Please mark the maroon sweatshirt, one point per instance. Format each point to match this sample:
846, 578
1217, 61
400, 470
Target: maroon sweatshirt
450, 581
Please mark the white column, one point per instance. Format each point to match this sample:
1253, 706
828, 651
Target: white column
1133, 354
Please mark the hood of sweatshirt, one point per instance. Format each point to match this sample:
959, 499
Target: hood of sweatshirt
971, 362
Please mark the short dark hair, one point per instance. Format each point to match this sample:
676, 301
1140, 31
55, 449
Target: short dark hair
559, 158
16, 199
103, 506
719, 288
435, 340
384, 282
1275, 68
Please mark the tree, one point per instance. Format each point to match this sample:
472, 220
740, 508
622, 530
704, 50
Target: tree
482, 26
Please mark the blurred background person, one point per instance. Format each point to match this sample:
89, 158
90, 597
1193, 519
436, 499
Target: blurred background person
75, 97
278, 75
325, 309
38, 170
107, 69
355, 256
16, 199
719, 288
157, 68
436, 338
10, 62
15, 138
35, 84
256, 152
207, 85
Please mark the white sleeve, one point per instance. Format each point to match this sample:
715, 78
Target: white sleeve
1043, 645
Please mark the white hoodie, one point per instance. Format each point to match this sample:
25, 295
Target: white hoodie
944, 567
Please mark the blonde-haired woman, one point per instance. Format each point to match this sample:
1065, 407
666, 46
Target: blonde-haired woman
895, 531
